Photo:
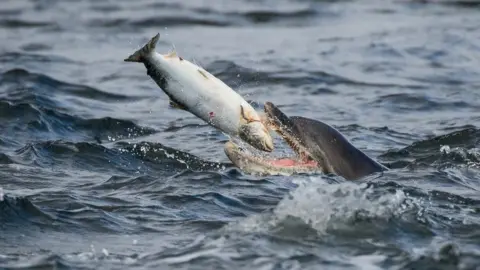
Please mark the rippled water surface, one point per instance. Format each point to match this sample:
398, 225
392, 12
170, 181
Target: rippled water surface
98, 172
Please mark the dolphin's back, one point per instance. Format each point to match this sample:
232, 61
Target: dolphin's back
335, 153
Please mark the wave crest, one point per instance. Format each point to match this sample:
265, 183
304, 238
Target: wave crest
320, 207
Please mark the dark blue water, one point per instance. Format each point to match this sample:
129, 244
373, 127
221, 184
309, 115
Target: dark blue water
98, 172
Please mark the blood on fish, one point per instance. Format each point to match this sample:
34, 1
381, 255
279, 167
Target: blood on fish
211, 114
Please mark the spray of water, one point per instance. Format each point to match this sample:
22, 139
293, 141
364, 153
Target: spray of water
322, 206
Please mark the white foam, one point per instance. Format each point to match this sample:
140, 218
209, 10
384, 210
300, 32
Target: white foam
369, 262
322, 206
471, 156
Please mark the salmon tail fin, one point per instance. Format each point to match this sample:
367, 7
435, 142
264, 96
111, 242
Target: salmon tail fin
144, 51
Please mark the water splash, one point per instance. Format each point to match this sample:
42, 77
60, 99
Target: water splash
323, 206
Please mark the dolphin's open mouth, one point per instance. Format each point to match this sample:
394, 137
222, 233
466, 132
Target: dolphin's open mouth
279, 122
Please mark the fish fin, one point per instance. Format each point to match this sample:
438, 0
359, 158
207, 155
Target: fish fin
144, 51
203, 74
172, 54
177, 105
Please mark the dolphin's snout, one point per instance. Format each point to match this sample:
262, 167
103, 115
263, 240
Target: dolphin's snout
276, 118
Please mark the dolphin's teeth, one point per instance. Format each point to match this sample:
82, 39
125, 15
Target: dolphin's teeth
294, 144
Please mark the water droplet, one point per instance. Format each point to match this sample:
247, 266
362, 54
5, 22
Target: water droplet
445, 149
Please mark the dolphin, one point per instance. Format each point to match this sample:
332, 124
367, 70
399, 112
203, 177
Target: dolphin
319, 147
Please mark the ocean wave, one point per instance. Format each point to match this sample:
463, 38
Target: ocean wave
239, 76
47, 124
5, 159
267, 16
165, 21
373, 213
167, 157
21, 85
35, 103
125, 183
20, 210
39, 261
441, 253
189, 15
417, 102
322, 208
125, 158
177, 21
338, 209
81, 156
19, 57
16, 23
86, 217
454, 3
220, 252
437, 151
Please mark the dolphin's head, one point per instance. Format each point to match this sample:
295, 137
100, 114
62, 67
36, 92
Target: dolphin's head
318, 148
290, 129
